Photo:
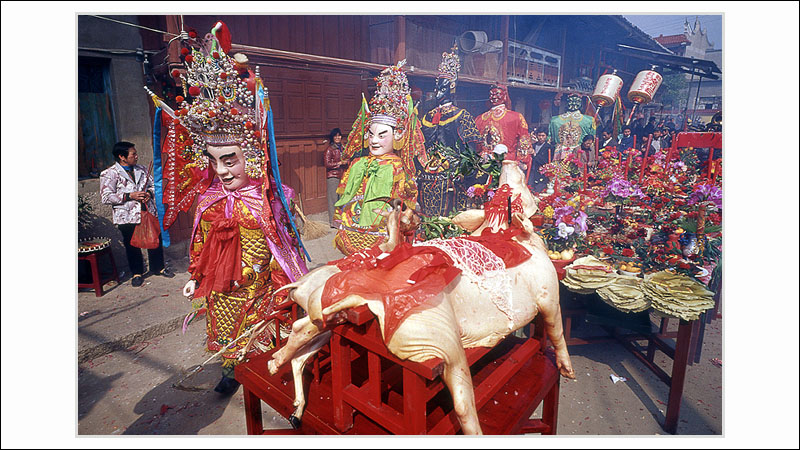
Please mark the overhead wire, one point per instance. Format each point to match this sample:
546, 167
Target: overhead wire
139, 26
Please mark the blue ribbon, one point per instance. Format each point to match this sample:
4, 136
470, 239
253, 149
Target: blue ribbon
273, 158
157, 175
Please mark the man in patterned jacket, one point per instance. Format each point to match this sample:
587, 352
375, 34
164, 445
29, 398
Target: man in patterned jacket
127, 188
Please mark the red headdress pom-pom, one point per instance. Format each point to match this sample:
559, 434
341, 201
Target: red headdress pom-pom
223, 35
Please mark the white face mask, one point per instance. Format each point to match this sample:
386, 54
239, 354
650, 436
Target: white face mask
381, 139
228, 163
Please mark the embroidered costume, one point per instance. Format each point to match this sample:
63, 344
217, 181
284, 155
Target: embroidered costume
567, 130
501, 125
244, 244
371, 181
449, 131
370, 177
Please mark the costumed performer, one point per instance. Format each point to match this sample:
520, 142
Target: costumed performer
567, 130
371, 181
244, 244
501, 125
449, 131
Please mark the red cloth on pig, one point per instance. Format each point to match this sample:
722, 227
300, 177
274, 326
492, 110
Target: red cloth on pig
406, 278
511, 252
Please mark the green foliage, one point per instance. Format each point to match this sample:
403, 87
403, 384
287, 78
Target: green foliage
85, 211
466, 162
673, 88
439, 227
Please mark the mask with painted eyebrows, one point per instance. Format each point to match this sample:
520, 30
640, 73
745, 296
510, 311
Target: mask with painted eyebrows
381, 139
228, 163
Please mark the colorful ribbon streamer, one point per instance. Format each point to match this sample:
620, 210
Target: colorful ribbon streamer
158, 176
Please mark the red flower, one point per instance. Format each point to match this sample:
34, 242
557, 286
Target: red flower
179, 99
176, 73
194, 91
567, 220
189, 58
192, 34
684, 265
184, 51
215, 55
627, 252
607, 250
223, 75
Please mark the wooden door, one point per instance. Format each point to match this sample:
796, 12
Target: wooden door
306, 105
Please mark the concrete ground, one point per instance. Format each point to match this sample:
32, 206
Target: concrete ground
131, 350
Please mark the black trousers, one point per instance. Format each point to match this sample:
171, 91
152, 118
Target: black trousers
134, 254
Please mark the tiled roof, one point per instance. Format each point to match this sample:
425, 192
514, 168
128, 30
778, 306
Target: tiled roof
672, 39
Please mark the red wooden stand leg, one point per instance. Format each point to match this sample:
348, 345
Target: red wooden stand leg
252, 413
414, 412
678, 376
340, 377
550, 409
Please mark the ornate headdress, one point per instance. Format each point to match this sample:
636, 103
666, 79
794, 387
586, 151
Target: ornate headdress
222, 107
389, 105
450, 65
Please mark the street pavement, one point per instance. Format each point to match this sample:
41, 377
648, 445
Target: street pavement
131, 349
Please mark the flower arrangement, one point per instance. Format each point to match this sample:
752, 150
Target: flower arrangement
621, 191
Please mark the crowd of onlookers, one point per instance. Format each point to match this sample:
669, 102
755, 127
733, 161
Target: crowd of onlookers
660, 132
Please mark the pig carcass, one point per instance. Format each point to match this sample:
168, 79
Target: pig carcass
478, 308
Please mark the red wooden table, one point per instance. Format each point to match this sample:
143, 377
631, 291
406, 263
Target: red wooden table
363, 389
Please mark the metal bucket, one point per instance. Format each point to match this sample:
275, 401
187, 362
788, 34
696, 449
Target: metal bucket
472, 41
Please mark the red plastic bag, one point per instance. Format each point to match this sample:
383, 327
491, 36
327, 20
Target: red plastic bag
145, 235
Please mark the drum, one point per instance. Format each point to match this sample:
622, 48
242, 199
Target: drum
644, 86
606, 89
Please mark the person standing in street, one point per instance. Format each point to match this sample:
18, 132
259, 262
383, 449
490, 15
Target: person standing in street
542, 153
128, 188
333, 170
